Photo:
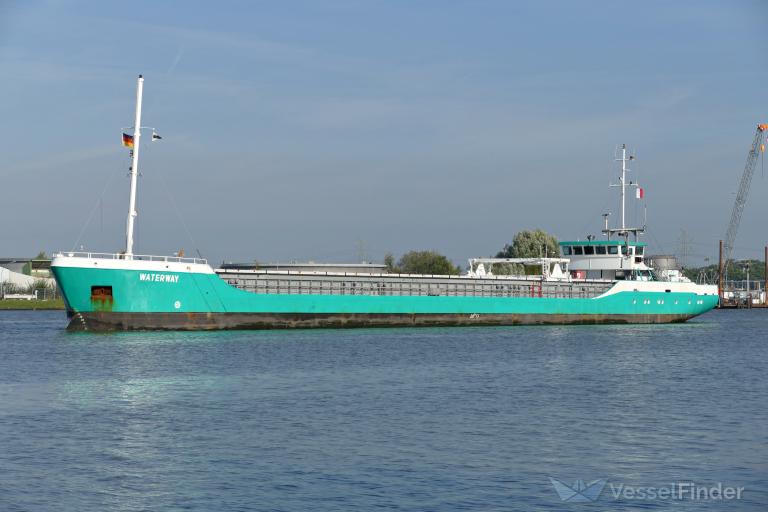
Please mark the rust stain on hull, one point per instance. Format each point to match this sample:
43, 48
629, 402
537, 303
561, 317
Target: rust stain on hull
110, 321
101, 298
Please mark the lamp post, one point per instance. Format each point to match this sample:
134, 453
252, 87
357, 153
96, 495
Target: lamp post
745, 267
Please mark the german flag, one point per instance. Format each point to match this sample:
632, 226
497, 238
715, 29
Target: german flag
128, 140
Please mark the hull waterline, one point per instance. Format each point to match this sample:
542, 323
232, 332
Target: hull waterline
108, 321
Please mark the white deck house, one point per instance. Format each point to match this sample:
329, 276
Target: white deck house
606, 259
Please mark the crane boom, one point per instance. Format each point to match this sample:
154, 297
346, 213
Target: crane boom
741, 197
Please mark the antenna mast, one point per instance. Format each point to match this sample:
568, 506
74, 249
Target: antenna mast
622, 184
134, 172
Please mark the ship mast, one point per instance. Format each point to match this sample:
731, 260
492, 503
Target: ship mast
622, 184
134, 172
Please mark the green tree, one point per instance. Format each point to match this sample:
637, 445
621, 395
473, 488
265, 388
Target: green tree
531, 244
526, 244
426, 262
389, 261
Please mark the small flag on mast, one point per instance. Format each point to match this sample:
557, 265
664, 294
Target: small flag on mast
640, 193
128, 140
155, 136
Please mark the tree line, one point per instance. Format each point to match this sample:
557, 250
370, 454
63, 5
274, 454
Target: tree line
737, 271
525, 244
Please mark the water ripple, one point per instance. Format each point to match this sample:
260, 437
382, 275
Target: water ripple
424, 419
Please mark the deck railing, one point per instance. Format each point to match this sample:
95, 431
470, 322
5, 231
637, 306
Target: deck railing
395, 285
135, 257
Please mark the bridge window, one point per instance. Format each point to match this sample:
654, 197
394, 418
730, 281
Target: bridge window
639, 250
577, 251
566, 251
600, 249
613, 249
589, 250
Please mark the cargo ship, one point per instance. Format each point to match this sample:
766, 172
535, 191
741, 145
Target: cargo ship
591, 282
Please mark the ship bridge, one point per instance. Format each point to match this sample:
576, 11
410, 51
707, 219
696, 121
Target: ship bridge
606, 259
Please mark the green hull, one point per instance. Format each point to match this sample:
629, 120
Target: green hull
179, 300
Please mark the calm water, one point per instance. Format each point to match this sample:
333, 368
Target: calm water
426, 419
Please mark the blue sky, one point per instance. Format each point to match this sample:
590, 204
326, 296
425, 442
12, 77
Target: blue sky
307, 130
